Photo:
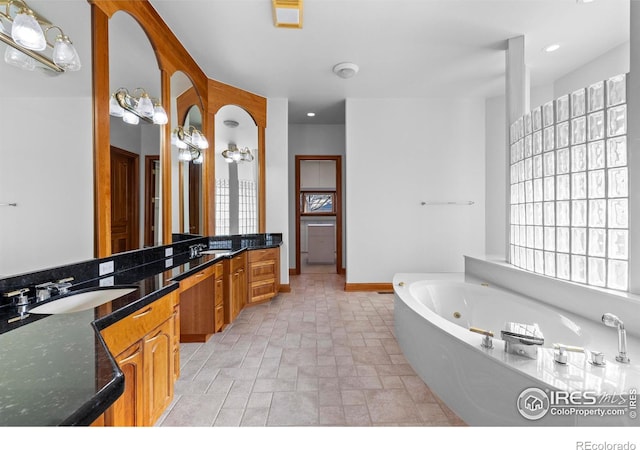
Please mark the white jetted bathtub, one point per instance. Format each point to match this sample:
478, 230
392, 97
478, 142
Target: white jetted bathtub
483, 386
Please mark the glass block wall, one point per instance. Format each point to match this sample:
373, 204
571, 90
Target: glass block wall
569, 187
222, 206
247, 208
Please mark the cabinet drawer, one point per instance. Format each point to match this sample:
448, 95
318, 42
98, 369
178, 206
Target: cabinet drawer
218, 269
238, 262
219, 291
132, 328
263, 270
263, 255
196, 278
262, 290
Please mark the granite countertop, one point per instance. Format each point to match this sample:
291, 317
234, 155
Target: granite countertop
56, 369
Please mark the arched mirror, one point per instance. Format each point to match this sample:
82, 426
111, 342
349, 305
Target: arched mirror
237, 170
187, 157
136, 205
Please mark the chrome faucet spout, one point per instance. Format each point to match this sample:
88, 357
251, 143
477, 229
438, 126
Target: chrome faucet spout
612, 320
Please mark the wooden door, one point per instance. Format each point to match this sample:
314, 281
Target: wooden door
128, 410
125, 192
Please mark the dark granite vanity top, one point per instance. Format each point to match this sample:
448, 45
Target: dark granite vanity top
56, 370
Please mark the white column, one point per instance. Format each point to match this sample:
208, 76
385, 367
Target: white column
517, 104
633, 149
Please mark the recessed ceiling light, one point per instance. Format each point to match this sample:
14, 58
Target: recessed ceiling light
551, 48
311, 114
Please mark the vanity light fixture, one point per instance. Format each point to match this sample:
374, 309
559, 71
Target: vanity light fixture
132, 108
190, 144
236, 155
287, 13
26, 31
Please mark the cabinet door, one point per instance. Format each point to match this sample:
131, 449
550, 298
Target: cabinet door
128, 410
197, 309
176, 343
158, 370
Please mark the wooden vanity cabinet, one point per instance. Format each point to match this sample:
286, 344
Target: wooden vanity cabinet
264, 274
235, 286
201, 309
145, 347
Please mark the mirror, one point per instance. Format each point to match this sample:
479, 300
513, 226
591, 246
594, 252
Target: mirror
135, 148
236, 184
186, 174
46, 161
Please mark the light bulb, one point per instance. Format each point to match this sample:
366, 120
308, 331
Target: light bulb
26, 31
184, 155
144, 106
181, 144
203, 142
174, 137
199, 159
130, 118
114, 107
18, 59
236, 156
159, 115
65, 55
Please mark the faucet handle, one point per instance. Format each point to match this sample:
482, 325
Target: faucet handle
560, 354
597, 358
487, 342
21, 299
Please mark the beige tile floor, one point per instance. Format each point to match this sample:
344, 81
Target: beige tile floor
317, 356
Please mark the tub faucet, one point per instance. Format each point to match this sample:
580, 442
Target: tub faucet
611, 320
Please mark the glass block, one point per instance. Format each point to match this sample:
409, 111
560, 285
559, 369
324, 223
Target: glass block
513, 255
563, 215
562, 108
596, 126
616, 90
521, 170
530, 260
550, 264
562, 239
537, 166
519, 150
514, 194
596, 155
537, 213
529, 213
528, 191
617, 120
547, 114
538, 256
549, 189
522, 214
528, 169
537, 190
579, 241
538, 237
562, 157
618, 244
527, 123
578, 269
520, 127
579, 213
523, 256
578, 103
512, 133
530, 236
563, 266
549, 164
528, 146
513, 176
595, 96
578, 130
513, 214
618, 275
579, 185
562, 134
537, 142
549, 139
549, 238
597, 213
618, 210
618, 182
536, 119
513, 153
523, 235
563, 191
549, 210
597, 272
597, 242
578, 158
596, 184
617, 151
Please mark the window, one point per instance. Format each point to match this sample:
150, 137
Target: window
318, 203
569, 187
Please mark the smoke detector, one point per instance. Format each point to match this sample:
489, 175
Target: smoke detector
345, 69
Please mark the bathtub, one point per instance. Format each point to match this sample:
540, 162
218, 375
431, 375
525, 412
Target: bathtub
433, 314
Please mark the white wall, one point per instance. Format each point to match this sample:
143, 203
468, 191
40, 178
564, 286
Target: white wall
313, 140
277, 182
401, 152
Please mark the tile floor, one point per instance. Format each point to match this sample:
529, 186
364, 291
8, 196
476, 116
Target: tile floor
317, 356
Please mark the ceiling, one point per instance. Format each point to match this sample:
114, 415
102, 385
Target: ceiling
404, 48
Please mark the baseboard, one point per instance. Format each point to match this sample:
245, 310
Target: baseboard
285, 288
368, 287
292, 272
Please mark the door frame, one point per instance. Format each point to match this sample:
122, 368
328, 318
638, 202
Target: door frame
150, 199
338, 200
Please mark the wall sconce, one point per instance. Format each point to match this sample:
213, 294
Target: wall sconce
190, 144
234, 154
25, 31
287, 13
132, 108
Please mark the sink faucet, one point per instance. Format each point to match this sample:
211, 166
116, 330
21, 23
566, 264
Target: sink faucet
611, 320
45, 290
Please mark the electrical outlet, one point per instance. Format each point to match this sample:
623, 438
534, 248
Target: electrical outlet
106, 268
168, 262
108, 281
168, 252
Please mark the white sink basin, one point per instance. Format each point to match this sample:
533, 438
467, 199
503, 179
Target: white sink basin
81, 301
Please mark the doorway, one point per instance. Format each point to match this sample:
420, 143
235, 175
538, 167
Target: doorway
125, 234
318, 214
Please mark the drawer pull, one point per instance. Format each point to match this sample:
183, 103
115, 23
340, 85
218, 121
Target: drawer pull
143, 313
201, 274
